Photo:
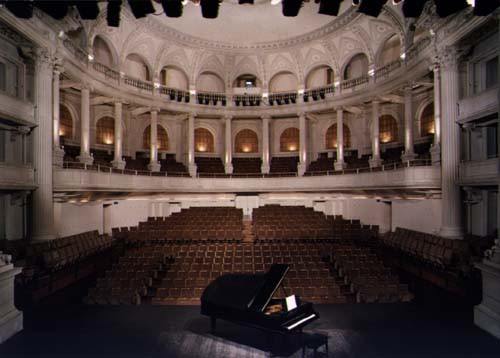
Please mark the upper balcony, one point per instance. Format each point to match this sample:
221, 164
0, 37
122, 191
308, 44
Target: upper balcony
16, 177
478, 105
148, 93
479, 172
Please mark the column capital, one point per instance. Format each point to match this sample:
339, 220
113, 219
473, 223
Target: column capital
376, 100
227, 117
447, 57
87, 87
266, 116
302, 114
155, 109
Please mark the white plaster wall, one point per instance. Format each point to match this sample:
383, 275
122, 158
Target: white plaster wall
317, 78
134, 66
419, 215
71, 219
283, 82
174, 78
102, 54
209, 82
128, 213
369, 211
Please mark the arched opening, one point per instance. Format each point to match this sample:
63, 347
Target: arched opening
105, 131
388, 129
136, 67
356, 67
203, 141
390, 51
210, 82
65, 123
427, 121
102, 52
246, 141
290, 140
283, 82
246, 80
161, 138
319, 77
173, 77
331, 136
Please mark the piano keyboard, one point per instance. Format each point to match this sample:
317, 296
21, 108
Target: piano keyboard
300, 322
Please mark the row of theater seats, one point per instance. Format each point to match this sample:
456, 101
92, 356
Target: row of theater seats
367, 275
247, 165
129, 279
209, 165
427, 248
284, 165
195, 266
275, 222
193, 224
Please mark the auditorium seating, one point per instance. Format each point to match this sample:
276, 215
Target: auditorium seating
209, 165
195, 266
172, 167
392, 155
321, 165
102, 157
247, 165
224, 224
284, 165
367, 275
71, 153
139, 164
275, 222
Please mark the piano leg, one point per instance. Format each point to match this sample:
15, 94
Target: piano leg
213, 322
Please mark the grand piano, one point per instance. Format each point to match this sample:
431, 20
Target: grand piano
248, 300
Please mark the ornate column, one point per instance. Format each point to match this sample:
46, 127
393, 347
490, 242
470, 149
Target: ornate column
85, 127
302, 166
339, 163
409, 153
43, 205
436, 145
265, 167
375, 160
191, 163
58, 153
153, 165
117, 160
228, 155
451, 220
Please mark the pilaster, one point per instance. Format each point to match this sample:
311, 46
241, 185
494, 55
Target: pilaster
118, 162
302, 166
375, 160
436, 145
58, 153
265, 168
228, 155
85, 127
191, 163
409, 153
153, 165
339, 163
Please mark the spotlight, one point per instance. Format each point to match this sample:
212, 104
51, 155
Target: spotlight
329, 7
293, 99
113, 13
371, 7
209, 8
445, 8
306, 98
291, 8
241, 2
413, 8
140, 8
224, 102
88, 10
355, 2
322, 94
186, 98
56, 9
237, 102
485, 7
257, 102
172, 96
179, 97
172, 8
22, 9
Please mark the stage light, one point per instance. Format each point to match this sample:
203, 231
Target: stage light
291, 8
172, 8
355, 2
140, 8
485, 7
113, 13
275, 2
56, 9
371, 7
209, 8
329, 7
446, 8
88, 10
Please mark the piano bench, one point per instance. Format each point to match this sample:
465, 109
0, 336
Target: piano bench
314, 341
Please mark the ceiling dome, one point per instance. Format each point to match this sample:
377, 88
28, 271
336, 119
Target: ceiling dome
247, 25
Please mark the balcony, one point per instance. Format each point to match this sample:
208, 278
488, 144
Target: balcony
421, 177
17, 109
479, 172
477, 106
16, 177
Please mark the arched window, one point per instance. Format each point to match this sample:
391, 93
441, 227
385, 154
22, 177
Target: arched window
246, 80
331, 136
161, 136
65, 123
283, 82
105, 130
391, 51
174, 78
135, 66
289, 140
102, 52
388, 129
427, 120
210, 82
319, 77
203, 141
357, 67
246, 141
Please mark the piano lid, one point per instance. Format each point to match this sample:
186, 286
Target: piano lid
270, 284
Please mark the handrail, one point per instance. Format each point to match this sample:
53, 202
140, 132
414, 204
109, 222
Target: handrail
354, 82
383, 168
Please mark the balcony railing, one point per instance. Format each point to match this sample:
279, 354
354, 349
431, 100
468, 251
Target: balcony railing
211, 98
175, 94
354, 82
387, 70
282, 98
